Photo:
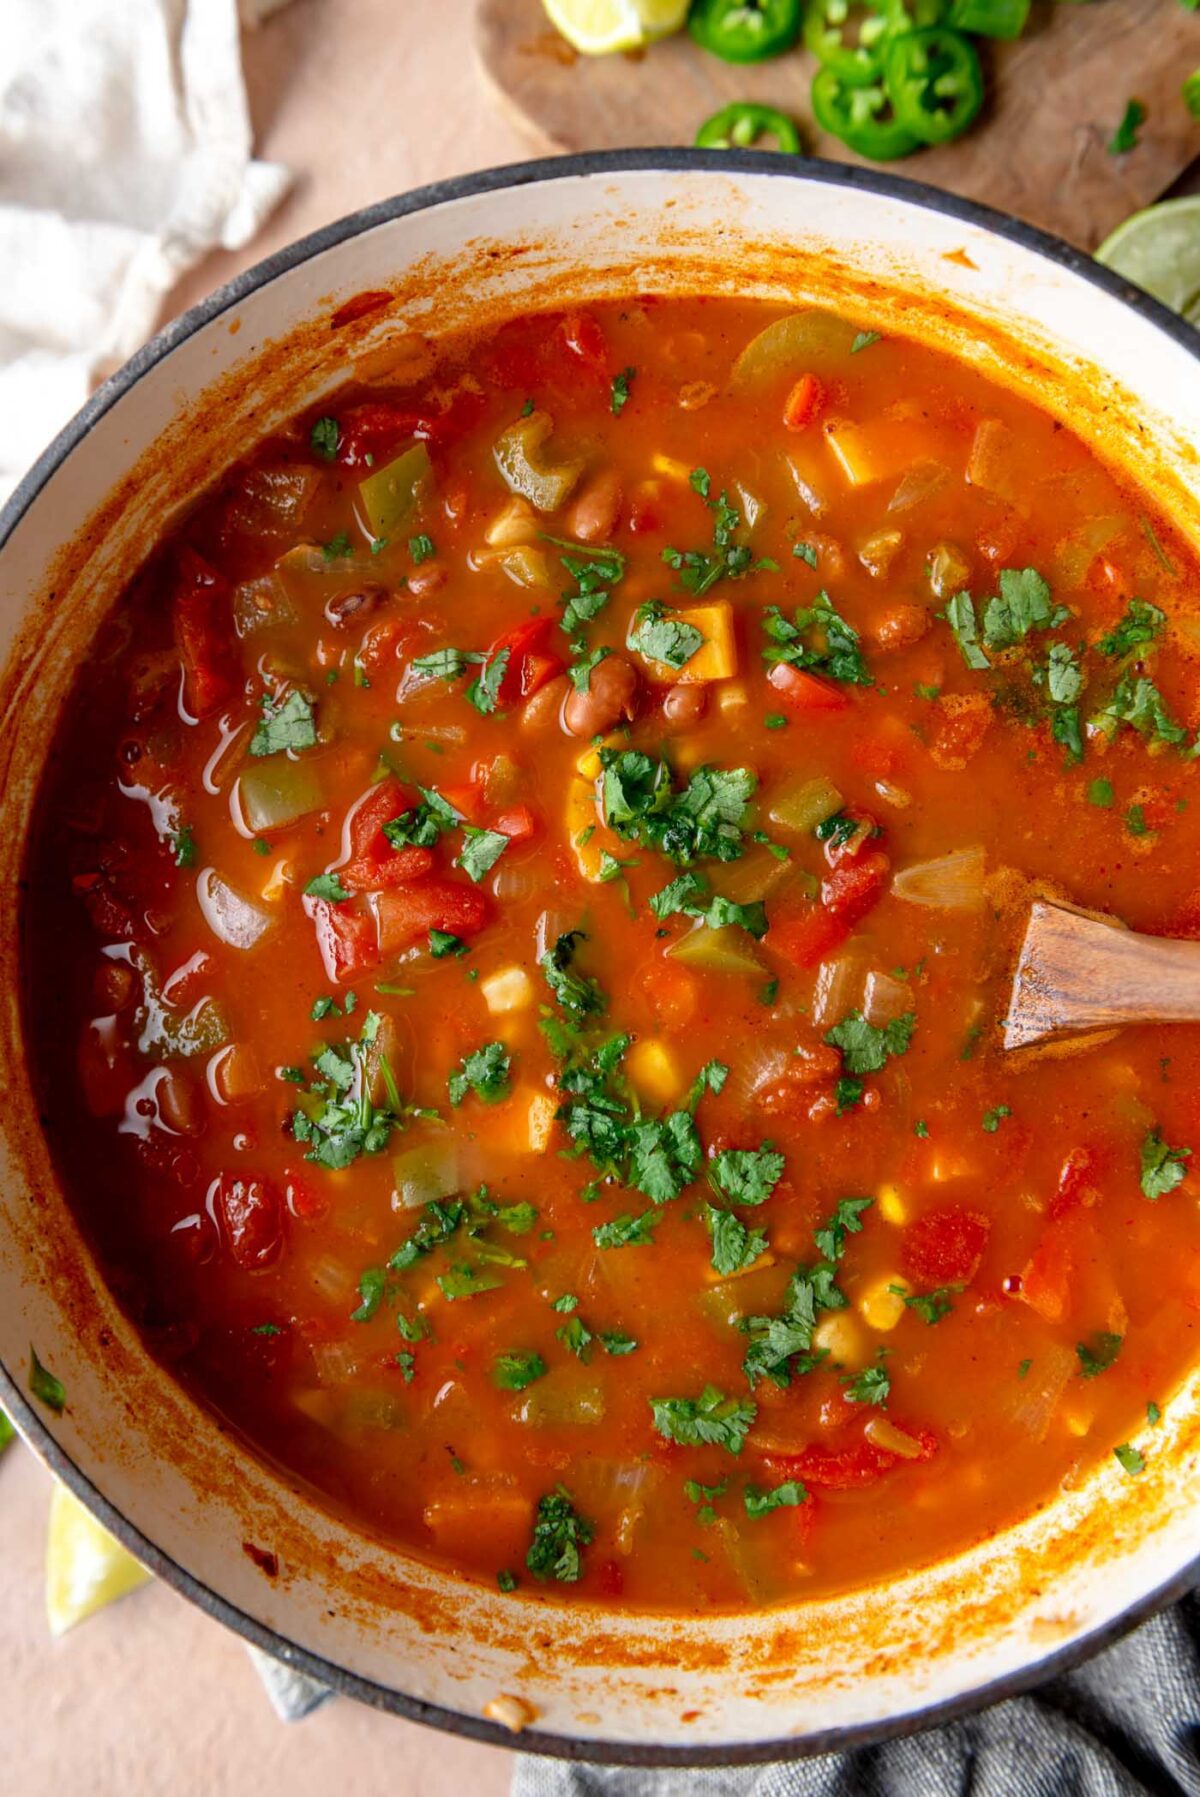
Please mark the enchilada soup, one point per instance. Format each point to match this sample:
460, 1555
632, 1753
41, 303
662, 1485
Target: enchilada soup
522, 907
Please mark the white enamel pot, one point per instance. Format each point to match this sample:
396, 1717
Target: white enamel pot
180, 1491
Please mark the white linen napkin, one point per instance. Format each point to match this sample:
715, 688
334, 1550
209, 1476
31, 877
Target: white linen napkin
124, 157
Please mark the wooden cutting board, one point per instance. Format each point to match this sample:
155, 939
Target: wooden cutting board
1055, 98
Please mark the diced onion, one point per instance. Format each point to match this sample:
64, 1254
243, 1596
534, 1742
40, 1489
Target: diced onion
516, 880
951, 882
233, 919
921, 481
425, 1173
885, 999
810, 338
1037, 1394
332, 1279
898, 796
838, 989
336, 1362
550, 926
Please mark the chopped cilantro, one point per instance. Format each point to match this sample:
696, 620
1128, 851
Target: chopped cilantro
480, 851
422, 825
324, 437
921, 1128
782, 1345
595, 575
1125, 137
734, 1246
467, 1281
700, 570
775, 720
371, 1287
660, 637
870, 1385
712, 1419
588, 660
1162, 1167
805, 552
1023, 1368
787, 1496
484, 1071
578, 995
484, 690
1131, 1459
445, 664
626, 1231
576, 1337
620, 390
266, 1329
1138, 703
566, 1304
1135, 821
288, 724
1141, 624
932, 1306
1098, 1353
559, 1536
183, 846
1153, 1413
327, 886
1100, 792
506, 1580
514, 1371
865, 1047
816, 637
45, 1387
445, 942
994, 1118
337, 548
688, 896
746, 1175
706, 818
864, 340
616, 1342
348, 1123
325, 1007
421, 548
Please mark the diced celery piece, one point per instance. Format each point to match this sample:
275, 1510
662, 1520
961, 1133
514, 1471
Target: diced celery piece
426, 1171
758, 873
719, 951
793, 345
389, 494
278, 792
562, 1397
164, 1034
518, 452
803, 806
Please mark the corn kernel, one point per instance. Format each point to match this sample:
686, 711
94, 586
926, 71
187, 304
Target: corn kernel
654, 1070
541, 1122
879, 1306
509, 990
514, 523
668, 465
583, 828
891, 1206
1077, 1422
588, 765
842, 1339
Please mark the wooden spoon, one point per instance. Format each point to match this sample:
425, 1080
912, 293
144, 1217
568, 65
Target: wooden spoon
1079, 973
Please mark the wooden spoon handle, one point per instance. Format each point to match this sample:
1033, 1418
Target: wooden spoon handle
1077, 974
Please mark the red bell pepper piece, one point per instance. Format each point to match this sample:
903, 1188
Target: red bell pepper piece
347, 939
804, 693
850, 891
808, 940
409, 912
373, 863
203, 621
529, 663
517, 823
250, 1218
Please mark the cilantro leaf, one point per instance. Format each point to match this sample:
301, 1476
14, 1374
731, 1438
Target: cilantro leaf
327, 886
818, 638
324, 438
1163, 1168
659, 637
513, 1371
445, 942
576, 1337
866, 1048
371, 1287
421, 548
422, 826
871, 1384
578, 995
1125, 137
699, 570
595, 574
559, 1536
782, 1345
480, 851
746, 1175
711, 1420
734, 1246
846, 1220
1023, 604
1098, 1353
183, 846
960, 615
445, 664
627, 1231
688, 896
932, 1306
46, 1388
287, 724
1141, 624
484, 690
706, 819
780, 1497
620, 390
484, 1071
1138, 703
1131, 1459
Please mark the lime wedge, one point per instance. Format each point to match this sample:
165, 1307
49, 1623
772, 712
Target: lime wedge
598, 27
1159, 249
85, 1567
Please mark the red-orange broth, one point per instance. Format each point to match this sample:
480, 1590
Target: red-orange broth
802, 1284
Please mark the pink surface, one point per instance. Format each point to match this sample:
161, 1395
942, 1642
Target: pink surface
361, 98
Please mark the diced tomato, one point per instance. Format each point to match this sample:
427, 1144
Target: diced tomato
203, 619
374, 863
517, 823
469, 800
964, 719
529, 663
645, 514
944, 1247
249, 1215
585, 340
409, 912
301, 1197
1079, 1180
876, 757
374, 429
850, 892
804, 693
1048, 1278
807, 940
848, 1468
346, 939
803, 404
672, 991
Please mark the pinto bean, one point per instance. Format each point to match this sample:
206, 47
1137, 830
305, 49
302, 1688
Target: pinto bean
592, 517
900, 625
684, 705
341, 609
610, 696
426, 580
178, 1103
542, 708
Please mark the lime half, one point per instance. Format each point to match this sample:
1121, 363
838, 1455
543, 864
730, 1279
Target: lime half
1159, 249
598, 27
85, 1567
